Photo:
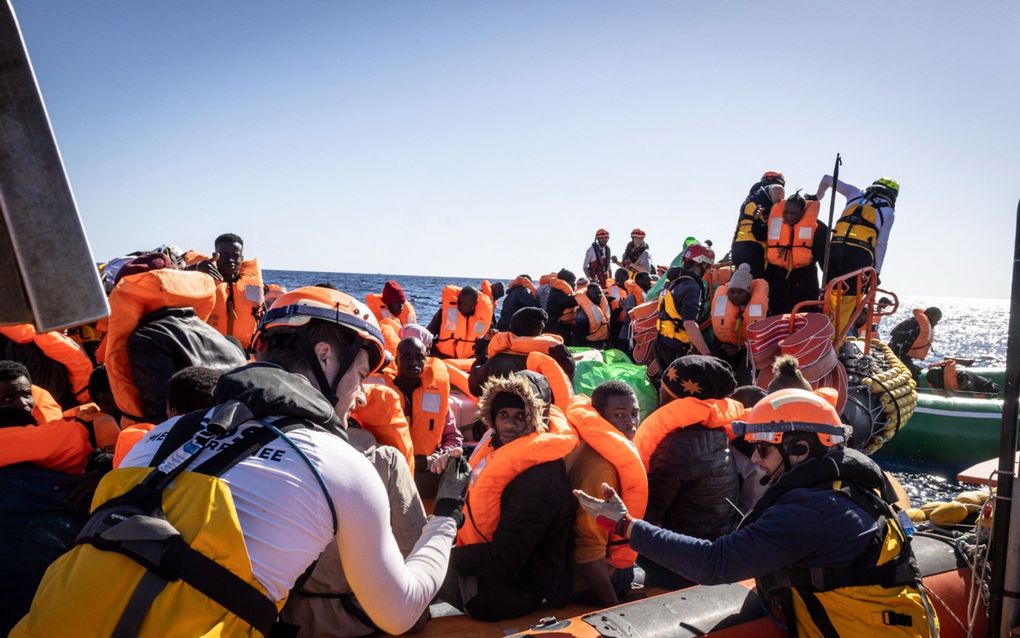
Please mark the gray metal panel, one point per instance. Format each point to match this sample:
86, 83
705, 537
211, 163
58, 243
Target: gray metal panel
46, 255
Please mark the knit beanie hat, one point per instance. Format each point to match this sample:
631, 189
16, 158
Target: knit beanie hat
741, 279
528, 322
392, 293
145, 263
699, 376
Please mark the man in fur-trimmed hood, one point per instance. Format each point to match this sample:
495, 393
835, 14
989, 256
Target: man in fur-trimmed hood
515, 405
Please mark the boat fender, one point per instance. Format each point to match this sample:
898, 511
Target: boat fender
949, 513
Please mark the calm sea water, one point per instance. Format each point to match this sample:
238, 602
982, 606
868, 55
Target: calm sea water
971, 328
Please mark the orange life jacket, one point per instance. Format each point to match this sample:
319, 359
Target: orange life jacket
682, 413
46, 407
513, 344
129, 437
135, 297
193, 257
598, 316
950, 382
390, 328
56, 445
383, 416
239, 305
718, 275
546, 279
375, 304
570, 314
635, 291
922, 344
103, 429
729, 321
523, 282
559, 382
493, 469
457, 333
486, 288
459, 379
613, 446
790, 246
644, 324
617, 289
274, 292
430, 405
62, 349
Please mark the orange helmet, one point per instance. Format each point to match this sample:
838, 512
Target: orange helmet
602, 232
637, 232
792, 410
773, 177
298, 307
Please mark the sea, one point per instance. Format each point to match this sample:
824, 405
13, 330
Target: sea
970, 328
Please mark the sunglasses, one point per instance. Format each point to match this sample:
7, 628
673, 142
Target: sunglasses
763, 449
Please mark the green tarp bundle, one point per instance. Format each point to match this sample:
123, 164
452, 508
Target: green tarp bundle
614, 364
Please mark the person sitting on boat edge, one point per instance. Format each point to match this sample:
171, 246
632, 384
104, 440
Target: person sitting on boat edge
239, 289
692, 479
519, 294
682, 306
607, 424
392, 303
824, 546
738, 303
464, 317
512, 552
597, 258
300, 490
796, 247
424, 386
591, 325
748, 245
912, 338
561, 305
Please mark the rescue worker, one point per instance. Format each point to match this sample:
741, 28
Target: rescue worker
597, 258
912, 338
692, 478
512, 552
424, 386
636, 257
591, 326
297, 486
683, 305
464, 317
391, 304
796, 246
561, 305
749, 237
738, 303
606, 424
823, 542
239, 289
861, 235
519, 294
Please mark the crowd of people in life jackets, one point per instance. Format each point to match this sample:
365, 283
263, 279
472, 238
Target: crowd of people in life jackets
231, 457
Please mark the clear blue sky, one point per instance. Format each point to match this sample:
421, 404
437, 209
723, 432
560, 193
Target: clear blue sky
485, 138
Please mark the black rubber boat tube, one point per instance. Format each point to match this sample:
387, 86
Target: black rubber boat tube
1007, 452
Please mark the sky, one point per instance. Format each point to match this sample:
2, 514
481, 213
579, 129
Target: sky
493, 138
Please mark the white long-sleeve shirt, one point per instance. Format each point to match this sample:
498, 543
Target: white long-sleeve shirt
286, 523
884, 222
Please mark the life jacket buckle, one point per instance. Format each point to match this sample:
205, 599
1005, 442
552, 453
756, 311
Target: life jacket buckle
893, 619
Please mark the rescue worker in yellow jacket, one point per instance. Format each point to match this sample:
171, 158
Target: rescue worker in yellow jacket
749, 237
823, 543
683, 305
796, 247
736, 304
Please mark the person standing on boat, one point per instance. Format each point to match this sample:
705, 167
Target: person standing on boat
607, 424
749, 237
636, 257
861, 234
912, 338
512, 552
823, 543
796, 246
239, 290
597, 258
274, 471
683, 305
738, 303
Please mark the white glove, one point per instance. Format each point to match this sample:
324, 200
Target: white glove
610, 514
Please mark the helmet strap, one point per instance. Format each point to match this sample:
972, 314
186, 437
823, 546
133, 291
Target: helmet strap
326, 387
786, 457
